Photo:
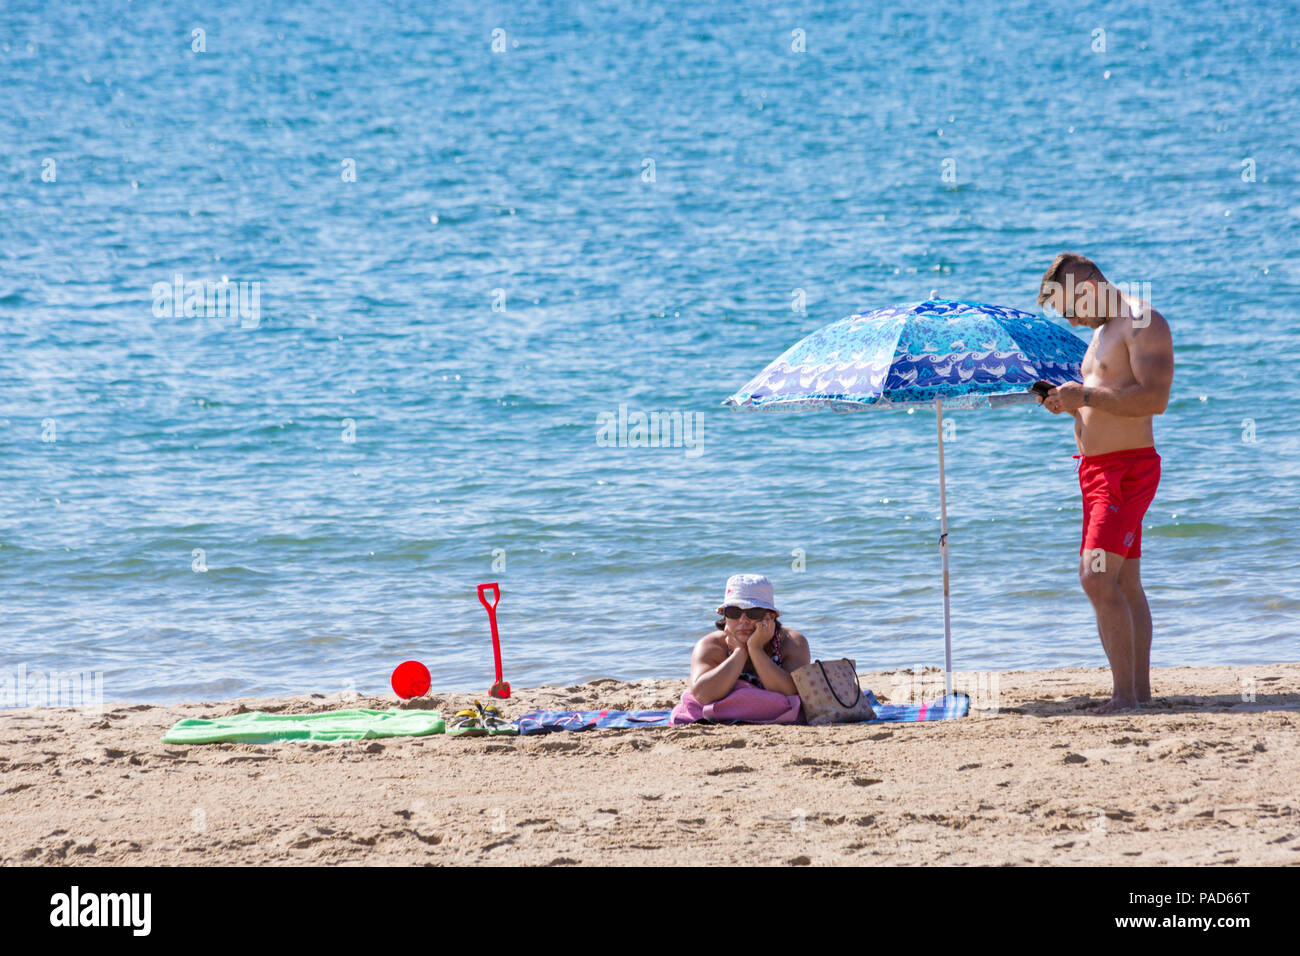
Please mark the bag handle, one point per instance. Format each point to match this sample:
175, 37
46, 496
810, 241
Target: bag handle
831, 688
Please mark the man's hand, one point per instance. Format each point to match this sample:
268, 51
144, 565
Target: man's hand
1064, 398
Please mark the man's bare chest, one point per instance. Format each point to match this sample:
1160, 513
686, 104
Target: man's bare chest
1107, 358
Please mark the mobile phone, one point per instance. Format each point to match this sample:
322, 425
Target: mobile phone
1041, 388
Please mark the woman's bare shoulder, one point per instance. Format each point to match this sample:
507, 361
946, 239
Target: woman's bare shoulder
796, 651
711, 642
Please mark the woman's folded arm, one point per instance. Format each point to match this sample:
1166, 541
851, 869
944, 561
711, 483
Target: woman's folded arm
712, 679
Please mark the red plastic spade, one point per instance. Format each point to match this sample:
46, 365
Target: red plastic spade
411, 679
500, 688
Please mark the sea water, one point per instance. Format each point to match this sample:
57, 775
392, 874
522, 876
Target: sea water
312, 319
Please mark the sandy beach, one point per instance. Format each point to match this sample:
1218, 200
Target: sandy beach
1205, 776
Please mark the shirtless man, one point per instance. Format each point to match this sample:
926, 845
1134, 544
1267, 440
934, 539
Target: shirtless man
1127, 372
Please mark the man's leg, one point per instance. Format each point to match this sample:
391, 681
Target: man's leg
1130, 585
1099, 573
1084, 559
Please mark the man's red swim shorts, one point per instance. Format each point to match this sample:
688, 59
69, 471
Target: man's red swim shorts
1117, 489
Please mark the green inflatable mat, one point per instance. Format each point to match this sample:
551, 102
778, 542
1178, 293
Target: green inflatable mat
258, 727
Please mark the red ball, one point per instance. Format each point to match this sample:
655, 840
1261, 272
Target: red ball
411, 679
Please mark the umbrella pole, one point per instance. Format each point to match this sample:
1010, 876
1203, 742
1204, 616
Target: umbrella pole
943, 554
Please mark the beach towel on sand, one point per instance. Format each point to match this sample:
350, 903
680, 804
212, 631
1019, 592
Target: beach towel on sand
746, 704
945, 708
257, 727
547, 721
750, 705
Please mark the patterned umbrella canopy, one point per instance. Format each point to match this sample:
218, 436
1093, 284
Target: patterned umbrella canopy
938, 352
962, 353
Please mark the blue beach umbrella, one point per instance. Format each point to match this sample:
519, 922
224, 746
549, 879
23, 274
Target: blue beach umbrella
937, 352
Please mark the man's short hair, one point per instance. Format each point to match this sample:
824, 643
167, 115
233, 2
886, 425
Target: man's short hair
1069, 265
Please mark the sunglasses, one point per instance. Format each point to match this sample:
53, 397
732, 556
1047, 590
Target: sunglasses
753, 613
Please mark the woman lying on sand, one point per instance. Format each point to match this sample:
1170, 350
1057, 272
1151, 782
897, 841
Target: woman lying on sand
742, 670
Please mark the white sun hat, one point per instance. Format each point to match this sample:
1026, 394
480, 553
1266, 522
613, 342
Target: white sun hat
749, 590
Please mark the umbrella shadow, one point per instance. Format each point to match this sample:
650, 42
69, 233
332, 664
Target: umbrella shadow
1168, 704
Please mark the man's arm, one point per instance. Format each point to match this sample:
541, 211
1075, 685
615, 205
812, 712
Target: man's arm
1151, 356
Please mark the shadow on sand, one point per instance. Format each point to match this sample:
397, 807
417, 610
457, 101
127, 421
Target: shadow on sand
1172, 704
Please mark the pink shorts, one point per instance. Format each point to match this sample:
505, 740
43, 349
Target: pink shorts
1117, 490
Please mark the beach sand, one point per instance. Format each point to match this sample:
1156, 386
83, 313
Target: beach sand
1201, 776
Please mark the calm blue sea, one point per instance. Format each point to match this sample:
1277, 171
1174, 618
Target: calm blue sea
464, 232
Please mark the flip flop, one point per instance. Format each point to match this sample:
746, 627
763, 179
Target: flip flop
466, 723
493, 721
